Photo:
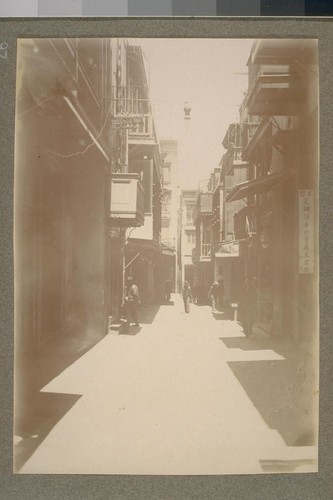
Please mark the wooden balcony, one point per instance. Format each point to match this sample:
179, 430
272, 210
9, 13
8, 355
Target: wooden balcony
204, 205
202, 253
132, 110
276, 91
232, 158
256, 139
205, 252
127, 200
143, 131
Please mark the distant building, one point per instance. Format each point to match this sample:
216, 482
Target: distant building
170, 205
169, 153
234, 170
187, 235
204, 220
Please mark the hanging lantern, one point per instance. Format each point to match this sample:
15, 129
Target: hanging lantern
187, 111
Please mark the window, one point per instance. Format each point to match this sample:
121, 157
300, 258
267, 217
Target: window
189, 213
190, 242
167, 172
166, 202
206, 235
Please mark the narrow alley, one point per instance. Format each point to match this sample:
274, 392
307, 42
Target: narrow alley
133, 188
181, 394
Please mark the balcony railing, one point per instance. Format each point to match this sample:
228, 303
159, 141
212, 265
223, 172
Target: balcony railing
130, 100
143, 129
206, 249
205, 252
231, 158
132, 110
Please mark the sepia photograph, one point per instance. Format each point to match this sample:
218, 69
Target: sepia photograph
166, 256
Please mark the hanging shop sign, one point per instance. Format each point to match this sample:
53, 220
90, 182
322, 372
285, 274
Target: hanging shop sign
306, 231
127, 122
127, 200
228, 250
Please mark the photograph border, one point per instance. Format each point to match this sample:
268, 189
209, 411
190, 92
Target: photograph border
293, 486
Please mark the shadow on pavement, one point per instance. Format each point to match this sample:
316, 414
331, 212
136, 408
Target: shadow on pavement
287, 465
32, 427
219, 315
254, 343
225, 314
283, 392
128, 330
36, 412
146, 315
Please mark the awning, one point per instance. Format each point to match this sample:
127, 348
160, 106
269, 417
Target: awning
138, 251
255, 139
149, 247
168, 251
227, 250
266, 50
260, 185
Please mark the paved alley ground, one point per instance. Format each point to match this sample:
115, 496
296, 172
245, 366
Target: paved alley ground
182, 394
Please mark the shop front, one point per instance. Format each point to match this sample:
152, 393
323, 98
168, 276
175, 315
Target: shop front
227, 270
144, 262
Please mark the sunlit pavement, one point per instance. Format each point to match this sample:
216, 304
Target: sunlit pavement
182, 394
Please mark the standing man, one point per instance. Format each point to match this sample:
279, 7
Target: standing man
187, 296
221, 293
168, 287
132, 301
249, 305
213, 295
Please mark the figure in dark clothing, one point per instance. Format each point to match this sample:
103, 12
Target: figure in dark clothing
249, 306
132, 301
221, 293
168, 288
195, 294
213, 295
187, 296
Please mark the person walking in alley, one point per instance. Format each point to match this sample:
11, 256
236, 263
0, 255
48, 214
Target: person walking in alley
187, 296
213, 295
132, 301
168, 288
248, 306
195, 294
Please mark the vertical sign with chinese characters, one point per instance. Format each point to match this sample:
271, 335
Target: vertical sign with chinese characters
306, 231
